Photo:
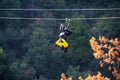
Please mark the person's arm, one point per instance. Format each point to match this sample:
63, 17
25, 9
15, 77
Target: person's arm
68, 32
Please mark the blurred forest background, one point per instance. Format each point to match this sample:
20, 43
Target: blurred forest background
27, 47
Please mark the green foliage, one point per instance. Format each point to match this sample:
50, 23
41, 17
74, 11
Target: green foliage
29, 46
39, 45
2, 69
38, 54
108, 28
52, 3
21, 70
1, 50
2, 40
10, 4
74, 72
84, 74
79, 40
27, 74
14, 68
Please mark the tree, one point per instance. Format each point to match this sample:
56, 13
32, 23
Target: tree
79, 41
108, 28
107, 50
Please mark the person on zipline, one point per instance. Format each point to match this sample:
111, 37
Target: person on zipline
62, 41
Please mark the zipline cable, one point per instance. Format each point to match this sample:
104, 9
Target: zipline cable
55, 19
84, 9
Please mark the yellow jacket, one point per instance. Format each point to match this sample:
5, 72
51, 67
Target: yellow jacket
62, 42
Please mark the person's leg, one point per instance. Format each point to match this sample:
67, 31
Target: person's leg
66, 49
65, 43
59, 43
62, 47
